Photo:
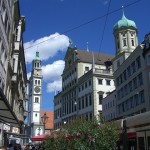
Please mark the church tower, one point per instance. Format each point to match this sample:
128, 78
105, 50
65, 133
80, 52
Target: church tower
35, 99
125, 34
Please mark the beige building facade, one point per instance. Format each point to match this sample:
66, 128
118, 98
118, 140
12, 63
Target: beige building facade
13, 79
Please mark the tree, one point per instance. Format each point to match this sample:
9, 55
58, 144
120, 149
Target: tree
84, 135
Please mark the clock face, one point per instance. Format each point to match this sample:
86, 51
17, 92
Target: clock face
37, 89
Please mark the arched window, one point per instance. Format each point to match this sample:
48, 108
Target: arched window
132, 42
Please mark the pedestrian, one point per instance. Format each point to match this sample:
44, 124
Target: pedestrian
11, 147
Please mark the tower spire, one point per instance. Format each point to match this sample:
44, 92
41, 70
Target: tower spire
123, 15
37, 57
87, 47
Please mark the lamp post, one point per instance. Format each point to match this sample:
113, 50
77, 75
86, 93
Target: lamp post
44, 119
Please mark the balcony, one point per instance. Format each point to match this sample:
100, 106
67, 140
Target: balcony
103, 71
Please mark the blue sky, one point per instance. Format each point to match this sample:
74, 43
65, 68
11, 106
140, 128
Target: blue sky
50, 19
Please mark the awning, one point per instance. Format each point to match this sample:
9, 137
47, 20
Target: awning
6, 113
41, 137
130, 135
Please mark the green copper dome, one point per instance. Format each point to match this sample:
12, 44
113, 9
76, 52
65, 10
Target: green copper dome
124, 23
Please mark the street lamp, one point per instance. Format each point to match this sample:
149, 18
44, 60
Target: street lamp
44, 119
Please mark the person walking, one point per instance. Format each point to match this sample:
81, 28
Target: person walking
11, 147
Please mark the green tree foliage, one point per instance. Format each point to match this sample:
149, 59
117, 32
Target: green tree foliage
84, 135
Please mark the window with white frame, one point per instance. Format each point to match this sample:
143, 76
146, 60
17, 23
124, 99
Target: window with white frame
100, 81
108, 82
37, 81
100, 99
86, 68
37, 99
132, 42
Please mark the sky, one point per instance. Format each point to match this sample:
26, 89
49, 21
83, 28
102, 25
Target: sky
50, 24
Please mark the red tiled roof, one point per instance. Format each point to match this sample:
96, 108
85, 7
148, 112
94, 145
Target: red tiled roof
50, 122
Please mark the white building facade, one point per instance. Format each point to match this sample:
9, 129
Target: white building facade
35, 99
86, 78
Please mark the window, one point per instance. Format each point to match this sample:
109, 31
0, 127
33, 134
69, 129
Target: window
135, 83
126, 89
107, 82
90, 100
123, 34
141, 96
140, 79
86, 68
79, 89
138, 62
130, 86
89, 82
125, 75
86, 101
35, 82
136, 99
100, 81
79, 104
124, 42
132, 42
82, 87
85, 84
133, 67
100, 99
82, 102
38, 64
36, 100
39, 82
129, 71
117, 80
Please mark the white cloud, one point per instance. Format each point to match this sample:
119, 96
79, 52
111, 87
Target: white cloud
47, 49
54, 86
52, 72
28, 75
